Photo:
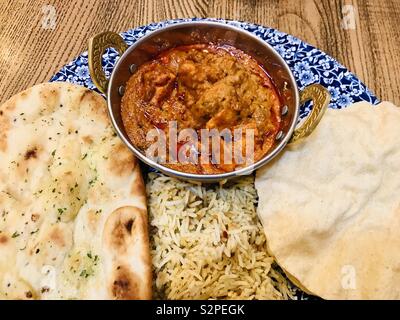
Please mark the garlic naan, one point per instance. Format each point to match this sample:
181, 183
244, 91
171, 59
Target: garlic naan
72, 201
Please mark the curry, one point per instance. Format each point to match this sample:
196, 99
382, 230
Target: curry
203, 86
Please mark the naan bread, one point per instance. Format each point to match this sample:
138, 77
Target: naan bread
73, 219
330, 205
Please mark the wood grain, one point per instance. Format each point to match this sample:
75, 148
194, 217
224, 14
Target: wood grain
30, 54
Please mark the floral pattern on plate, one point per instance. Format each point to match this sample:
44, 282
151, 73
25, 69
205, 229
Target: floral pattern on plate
308, 64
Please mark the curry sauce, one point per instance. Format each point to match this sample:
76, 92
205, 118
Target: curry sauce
202, 86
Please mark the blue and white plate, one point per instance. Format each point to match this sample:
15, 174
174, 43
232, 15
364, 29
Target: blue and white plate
308, 64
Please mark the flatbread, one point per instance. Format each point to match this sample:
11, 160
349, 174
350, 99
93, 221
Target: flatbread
73, 219
330, 205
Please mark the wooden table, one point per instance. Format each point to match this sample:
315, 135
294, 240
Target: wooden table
37, 37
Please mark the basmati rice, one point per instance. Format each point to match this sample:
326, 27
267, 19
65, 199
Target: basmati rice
207, 242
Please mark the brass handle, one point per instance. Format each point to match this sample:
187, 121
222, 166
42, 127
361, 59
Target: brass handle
97, 45
321, 98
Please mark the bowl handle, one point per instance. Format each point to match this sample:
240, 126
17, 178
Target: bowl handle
320, 98
97, 45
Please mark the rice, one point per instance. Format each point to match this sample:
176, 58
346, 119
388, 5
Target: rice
207, 242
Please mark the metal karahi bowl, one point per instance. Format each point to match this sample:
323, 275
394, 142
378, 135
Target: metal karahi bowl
186, 33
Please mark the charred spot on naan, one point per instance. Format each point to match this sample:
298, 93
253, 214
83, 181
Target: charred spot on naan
123, 227
3, 239
31, 153
27, 160
29, 295
121, 160
57, 237
35, 217
18, 289
125, 285
87, 139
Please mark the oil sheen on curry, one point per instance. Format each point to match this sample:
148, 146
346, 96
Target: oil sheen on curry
203, 86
